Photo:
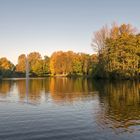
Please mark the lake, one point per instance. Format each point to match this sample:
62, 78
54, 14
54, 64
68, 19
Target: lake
69, 109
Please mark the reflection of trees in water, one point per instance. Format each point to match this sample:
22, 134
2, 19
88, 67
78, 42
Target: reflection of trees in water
120, 105
60, 89
21, 85
119, 101
35, 89
69, 89
5, 87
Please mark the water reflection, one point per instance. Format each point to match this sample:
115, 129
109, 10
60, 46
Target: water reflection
59, 89
68, 90
119, 102
5, 88
33, 91
119, 106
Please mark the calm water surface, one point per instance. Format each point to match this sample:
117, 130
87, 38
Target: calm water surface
69, 109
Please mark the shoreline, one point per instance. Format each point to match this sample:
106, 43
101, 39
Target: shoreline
72, 76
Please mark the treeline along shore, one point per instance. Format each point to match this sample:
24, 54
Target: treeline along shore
59, 64
117, 57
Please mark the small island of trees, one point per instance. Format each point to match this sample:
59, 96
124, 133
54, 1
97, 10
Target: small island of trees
117, 57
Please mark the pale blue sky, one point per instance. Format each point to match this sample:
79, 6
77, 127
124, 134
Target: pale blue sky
51, 25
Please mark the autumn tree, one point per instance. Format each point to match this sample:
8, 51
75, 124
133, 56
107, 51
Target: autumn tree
35, 63
21, 66
6, 67
70, 63
58, 63
120, 55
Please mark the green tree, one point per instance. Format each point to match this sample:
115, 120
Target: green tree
46, 65
120, 55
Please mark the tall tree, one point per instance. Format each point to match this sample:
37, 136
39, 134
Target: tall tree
34, 59
119, 56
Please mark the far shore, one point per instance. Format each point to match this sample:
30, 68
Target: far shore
68, 76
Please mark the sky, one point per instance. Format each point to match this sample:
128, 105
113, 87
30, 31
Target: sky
46, 26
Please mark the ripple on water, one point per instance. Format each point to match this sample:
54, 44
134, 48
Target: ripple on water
74, 109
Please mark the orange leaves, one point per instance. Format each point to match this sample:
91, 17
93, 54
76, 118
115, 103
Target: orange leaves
5, 64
